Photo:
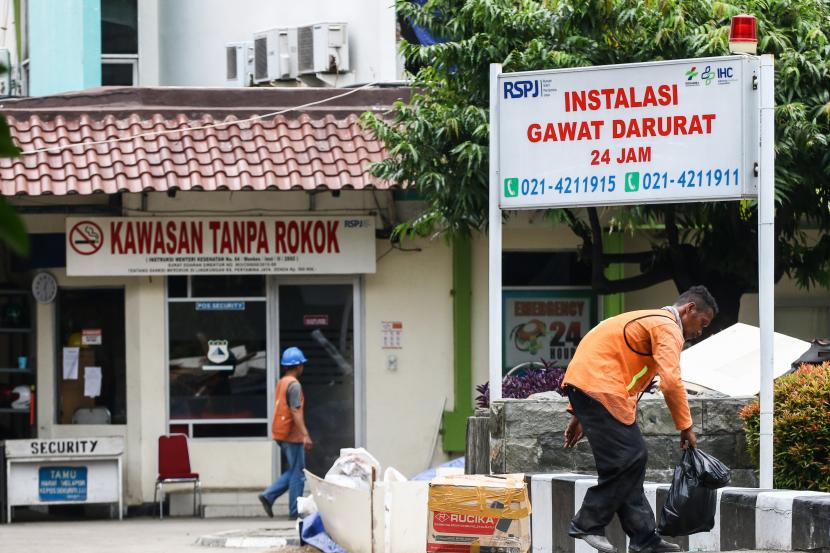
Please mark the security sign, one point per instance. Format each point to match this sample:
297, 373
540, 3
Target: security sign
218, 351
660, 132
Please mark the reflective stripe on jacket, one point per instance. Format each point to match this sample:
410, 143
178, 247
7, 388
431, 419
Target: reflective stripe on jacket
283, 427
613, 372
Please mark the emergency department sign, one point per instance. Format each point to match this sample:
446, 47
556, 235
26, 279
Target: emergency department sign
178, 246
545, 323
675, 131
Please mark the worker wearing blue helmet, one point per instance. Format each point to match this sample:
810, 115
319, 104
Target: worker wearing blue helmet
290, 432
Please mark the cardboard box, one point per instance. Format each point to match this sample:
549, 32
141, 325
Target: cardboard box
478, 514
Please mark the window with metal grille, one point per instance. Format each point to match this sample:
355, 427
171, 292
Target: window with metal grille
305, 49
230, 51
261, 58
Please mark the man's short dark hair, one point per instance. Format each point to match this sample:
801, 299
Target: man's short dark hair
700, 296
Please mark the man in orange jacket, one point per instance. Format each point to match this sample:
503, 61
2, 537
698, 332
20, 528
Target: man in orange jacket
614, 362
290, 432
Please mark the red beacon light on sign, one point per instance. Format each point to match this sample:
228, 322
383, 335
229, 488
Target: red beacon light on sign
743, 35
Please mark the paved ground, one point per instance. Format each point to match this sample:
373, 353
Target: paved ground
140, 535
149, 535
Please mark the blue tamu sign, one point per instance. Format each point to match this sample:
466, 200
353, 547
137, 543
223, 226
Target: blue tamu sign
62, 483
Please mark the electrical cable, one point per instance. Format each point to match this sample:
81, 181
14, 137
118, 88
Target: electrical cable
396, 247
58, 149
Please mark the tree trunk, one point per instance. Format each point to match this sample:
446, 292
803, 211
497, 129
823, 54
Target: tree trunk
728, 295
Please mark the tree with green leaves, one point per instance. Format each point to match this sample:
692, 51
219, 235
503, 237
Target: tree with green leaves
12, 230
438, 141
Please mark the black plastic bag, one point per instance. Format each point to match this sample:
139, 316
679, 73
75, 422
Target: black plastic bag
690, 506
711, 473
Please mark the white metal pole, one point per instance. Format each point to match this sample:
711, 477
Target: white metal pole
494, 261
766, 261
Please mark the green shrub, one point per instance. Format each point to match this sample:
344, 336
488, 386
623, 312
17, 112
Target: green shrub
801, 434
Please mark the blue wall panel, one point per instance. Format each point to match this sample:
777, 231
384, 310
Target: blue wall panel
64, 45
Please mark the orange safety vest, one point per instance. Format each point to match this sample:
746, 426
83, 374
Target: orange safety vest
283, 428
608, 367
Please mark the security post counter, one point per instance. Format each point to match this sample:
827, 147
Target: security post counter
63, 471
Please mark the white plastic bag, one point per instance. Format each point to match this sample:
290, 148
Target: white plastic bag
391, 474
306, 506
353, 469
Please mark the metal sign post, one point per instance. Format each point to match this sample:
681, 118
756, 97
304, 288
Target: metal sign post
661, 132
766, 263
494, 251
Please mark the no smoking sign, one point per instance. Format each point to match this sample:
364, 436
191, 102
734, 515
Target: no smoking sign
86, 238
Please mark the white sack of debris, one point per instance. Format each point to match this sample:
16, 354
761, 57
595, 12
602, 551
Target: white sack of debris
729, 362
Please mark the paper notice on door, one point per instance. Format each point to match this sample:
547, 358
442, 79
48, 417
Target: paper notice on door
70, 363
92, 381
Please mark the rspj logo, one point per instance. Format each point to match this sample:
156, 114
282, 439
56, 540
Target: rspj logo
521, 89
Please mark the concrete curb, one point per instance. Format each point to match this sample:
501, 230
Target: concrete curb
266, 538
746, 518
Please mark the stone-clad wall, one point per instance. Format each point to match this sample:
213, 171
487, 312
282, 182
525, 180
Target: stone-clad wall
527, 436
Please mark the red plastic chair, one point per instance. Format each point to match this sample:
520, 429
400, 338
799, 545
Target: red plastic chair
174, 468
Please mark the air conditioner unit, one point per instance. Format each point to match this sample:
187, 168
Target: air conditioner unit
323, 48
275, 55
239, 63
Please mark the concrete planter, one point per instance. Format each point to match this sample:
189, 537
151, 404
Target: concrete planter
528, 436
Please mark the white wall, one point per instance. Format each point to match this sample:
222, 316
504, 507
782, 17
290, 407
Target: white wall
192, 35
404, 406
148, 43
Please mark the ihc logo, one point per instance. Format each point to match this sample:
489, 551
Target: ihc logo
521, 89
691, 73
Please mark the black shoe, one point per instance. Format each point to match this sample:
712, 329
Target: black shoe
661, 546
266, 505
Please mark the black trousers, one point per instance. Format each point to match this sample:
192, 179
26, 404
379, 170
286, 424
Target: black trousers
620, 454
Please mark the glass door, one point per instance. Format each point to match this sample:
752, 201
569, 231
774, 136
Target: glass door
319, 319
92, 362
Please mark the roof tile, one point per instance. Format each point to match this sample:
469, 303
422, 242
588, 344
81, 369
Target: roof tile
301, 151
